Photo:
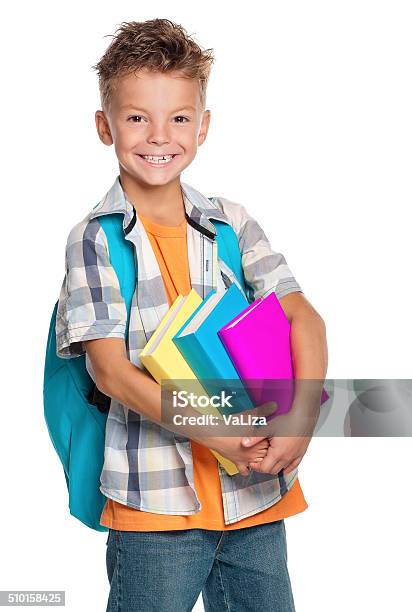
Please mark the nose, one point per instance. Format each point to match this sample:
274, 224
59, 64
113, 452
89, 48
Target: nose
159, 134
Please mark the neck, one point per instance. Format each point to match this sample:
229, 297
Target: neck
161, 203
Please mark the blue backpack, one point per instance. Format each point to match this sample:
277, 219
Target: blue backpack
74, 409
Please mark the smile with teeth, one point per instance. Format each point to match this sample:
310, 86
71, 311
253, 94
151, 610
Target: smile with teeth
158, 160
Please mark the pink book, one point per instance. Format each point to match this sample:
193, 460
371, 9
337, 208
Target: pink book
258, 342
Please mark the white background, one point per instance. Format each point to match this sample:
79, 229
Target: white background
311, 131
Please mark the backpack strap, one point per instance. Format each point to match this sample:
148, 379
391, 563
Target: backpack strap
229, 251
122, 258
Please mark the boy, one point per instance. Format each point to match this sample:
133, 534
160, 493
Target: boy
179, 525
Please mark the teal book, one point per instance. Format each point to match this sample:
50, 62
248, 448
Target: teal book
199, 343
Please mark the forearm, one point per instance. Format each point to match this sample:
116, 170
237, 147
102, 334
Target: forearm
310, 362
133, 388
139, 392
309, 347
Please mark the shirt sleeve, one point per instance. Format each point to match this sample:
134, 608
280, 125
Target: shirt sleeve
265, 270
90, 304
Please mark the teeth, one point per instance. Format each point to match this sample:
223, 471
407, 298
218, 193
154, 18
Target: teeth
158, 159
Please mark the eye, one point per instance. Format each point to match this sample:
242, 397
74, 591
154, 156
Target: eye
133, 117
181, 117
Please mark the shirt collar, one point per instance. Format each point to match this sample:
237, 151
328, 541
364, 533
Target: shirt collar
199, 209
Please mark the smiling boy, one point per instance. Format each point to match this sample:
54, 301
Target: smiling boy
179, 525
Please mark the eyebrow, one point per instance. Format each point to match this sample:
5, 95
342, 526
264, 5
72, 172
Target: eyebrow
145, 111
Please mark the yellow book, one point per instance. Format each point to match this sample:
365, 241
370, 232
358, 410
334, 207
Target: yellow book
164, 361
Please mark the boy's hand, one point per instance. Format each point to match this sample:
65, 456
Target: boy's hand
283, 452
231, 448
289, 436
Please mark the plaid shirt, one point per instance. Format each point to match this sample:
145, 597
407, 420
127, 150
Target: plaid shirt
146, 466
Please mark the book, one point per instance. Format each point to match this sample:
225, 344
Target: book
258, 343
163, 360
199, 343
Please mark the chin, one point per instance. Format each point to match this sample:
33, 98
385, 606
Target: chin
153, 180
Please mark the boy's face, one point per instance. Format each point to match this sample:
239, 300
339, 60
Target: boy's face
154, 114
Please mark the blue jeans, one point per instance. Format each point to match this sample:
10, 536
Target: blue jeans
244, 570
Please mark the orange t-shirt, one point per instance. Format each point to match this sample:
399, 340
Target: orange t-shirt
170, 247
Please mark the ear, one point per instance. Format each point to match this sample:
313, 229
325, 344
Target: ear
103, 128
204, 127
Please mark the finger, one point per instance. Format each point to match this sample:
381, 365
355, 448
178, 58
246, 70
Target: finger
294, 464
264, 469
277, 467
243, 469
266, 465
252, 441
256, 465
260, 449
255, 460
254, 457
